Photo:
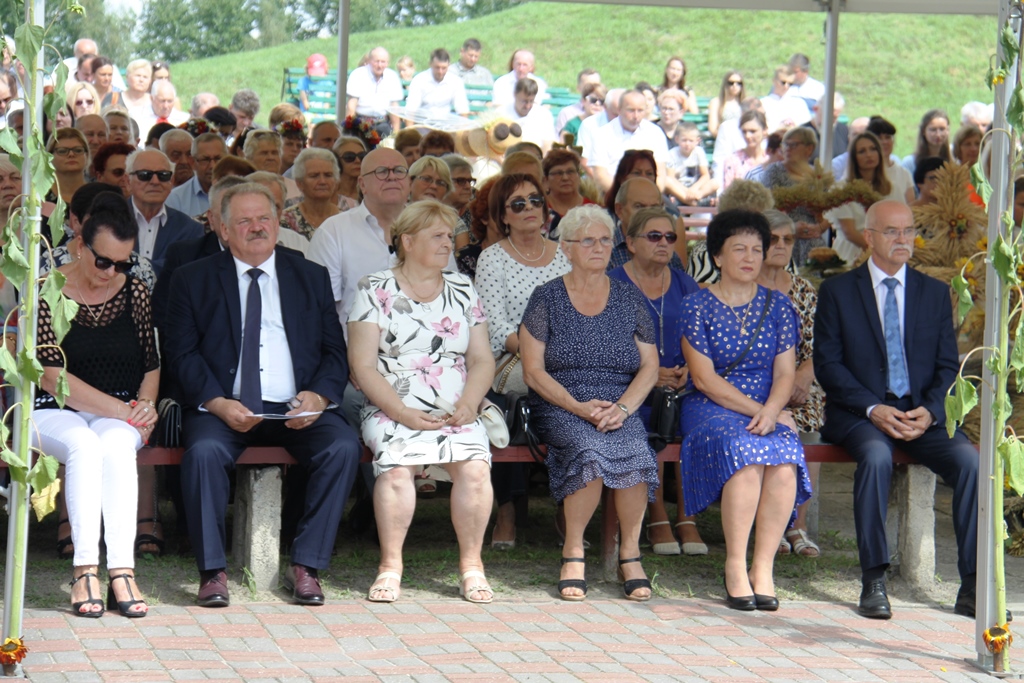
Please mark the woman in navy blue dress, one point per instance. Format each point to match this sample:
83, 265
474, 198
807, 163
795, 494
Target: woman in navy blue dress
589, 358
740, 444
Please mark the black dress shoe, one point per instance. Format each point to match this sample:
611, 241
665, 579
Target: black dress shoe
744, 603
766, 603
304, 584
874, 602
213, 589
967, 601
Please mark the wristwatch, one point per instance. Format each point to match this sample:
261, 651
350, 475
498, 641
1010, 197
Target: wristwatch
622, 406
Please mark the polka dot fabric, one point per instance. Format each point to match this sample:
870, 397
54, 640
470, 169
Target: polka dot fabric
716, 443
592, 357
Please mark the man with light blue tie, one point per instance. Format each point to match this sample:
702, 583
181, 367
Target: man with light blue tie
885, 353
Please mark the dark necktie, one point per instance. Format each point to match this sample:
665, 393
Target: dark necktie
250, 394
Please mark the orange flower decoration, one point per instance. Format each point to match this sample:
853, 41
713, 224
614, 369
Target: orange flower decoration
12, 651
997, 637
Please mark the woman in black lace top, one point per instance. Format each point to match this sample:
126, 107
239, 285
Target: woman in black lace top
113, 375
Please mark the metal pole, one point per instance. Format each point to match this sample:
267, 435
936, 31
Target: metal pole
343, 26
827, 131
1000, 146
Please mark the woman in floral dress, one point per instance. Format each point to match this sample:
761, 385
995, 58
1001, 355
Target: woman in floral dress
418, 349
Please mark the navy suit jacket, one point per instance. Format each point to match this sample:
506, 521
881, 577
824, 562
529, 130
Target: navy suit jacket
177, 227
849, 348
203, 332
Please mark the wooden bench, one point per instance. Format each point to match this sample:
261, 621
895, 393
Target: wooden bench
257, 512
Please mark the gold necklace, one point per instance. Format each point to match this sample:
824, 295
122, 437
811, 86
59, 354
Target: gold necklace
88, 306
543, 249
742, 321
420, 299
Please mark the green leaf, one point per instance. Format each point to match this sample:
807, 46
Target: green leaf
980, 183
63, 389
1012, 452
15, 462
1010, 43
29, 39
9, 141
63, 314
12, 261
1015, 110
52, 102
60, 79
56, 221
43, 472
968, 395
8, 366
1017, 354
964, 301
1003, 261
41, 165
954, 412
29, 366
994, 361
50, 291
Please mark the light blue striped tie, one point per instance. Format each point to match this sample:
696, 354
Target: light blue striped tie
899, 384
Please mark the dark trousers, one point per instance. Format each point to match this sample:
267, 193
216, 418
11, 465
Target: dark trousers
328, 449
955, 460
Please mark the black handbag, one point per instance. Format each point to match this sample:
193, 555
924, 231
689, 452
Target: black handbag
663, 427
520, 430
168, 426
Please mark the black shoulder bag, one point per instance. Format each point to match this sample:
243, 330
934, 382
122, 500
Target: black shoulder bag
663, 427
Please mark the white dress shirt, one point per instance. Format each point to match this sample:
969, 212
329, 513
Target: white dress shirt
588, 129
375, 96
881, 292
505, 89
148, 228
812, 89
612, 141
538, 126
786, 111
437, 99
277, 376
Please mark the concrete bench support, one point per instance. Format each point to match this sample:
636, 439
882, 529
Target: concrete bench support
257, 533
913, 486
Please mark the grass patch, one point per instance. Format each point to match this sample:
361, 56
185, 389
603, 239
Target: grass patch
888, 64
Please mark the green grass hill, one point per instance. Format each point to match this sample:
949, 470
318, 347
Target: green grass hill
895, 65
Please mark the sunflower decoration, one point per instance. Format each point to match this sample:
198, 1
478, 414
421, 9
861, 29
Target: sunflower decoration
12, 651
997, 638
954, 226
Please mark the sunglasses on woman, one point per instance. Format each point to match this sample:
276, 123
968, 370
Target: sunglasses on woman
103, 263
518, 205
656, 237
349, 157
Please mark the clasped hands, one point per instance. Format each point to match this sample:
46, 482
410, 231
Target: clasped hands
456, 416
241, 419
604, 415
898, 424
142, 415
764, 420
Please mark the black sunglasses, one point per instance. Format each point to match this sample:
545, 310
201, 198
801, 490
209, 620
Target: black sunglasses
103, 263
146, 176
595, 100
349, 157
735, 82
655, 237
518, 205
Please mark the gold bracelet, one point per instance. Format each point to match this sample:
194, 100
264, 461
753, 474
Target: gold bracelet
147, 400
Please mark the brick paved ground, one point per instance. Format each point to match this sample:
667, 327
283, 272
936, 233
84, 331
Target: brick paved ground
550, 640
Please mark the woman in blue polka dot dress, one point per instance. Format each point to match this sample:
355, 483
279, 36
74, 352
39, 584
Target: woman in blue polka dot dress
740, 444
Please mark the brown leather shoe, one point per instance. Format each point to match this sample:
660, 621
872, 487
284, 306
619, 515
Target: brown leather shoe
213, 589
304, 584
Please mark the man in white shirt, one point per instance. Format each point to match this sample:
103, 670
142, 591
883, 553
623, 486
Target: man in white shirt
521, 67
591, 124
576, 108
468, 68
630, 130
87, 46
437, 91
162, 97
373, 88
810, 89
193, 198
781, 109
536, 121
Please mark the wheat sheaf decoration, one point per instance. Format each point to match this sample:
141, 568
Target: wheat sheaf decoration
953, 226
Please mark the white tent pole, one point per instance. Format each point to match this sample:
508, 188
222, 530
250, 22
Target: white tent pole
1000, 146
342, 96
827, 131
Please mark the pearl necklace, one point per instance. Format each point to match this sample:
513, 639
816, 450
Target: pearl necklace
661, 313
543, 249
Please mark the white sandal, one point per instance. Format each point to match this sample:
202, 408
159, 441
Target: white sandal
479, 586
801, 543
671, 548
692, 548
385, 591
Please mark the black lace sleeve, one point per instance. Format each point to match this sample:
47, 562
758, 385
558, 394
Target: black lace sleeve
142, 317
49, 356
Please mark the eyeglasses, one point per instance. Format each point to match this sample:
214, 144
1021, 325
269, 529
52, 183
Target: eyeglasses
65, 151
431, 181
518, 205
735, 82
208, 160
463, 182
85, 103
349, 157
103, 263
591, 242
793, 143
567, 173
787, 240
893, 233
382, 172
146, 176
656, 237
595, 100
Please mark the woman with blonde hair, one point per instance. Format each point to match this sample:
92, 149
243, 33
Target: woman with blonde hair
429, 178
139, 77
672, 106
83, 99
70, 161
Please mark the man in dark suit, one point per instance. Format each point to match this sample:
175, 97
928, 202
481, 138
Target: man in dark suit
885, 353
150, 182
253, 331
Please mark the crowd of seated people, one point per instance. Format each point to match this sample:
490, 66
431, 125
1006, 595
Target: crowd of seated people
311, 285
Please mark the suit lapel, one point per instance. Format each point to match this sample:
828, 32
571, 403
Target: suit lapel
288, 286
867, 297
229, 282
910, 308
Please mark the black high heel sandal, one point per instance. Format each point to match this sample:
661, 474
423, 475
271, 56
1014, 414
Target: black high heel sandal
631, 586
124, 607
573, 583
148, 539
62, 543
77, 606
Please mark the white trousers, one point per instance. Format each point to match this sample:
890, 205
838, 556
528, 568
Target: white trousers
100, 480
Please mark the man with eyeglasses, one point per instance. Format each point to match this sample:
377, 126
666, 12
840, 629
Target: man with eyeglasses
885, 353
150, 173
782, 109
633, 195
193, 197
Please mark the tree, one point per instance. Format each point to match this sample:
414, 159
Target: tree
471, 9
418, 13
277, 23
320, 17
180, 30
111, 30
